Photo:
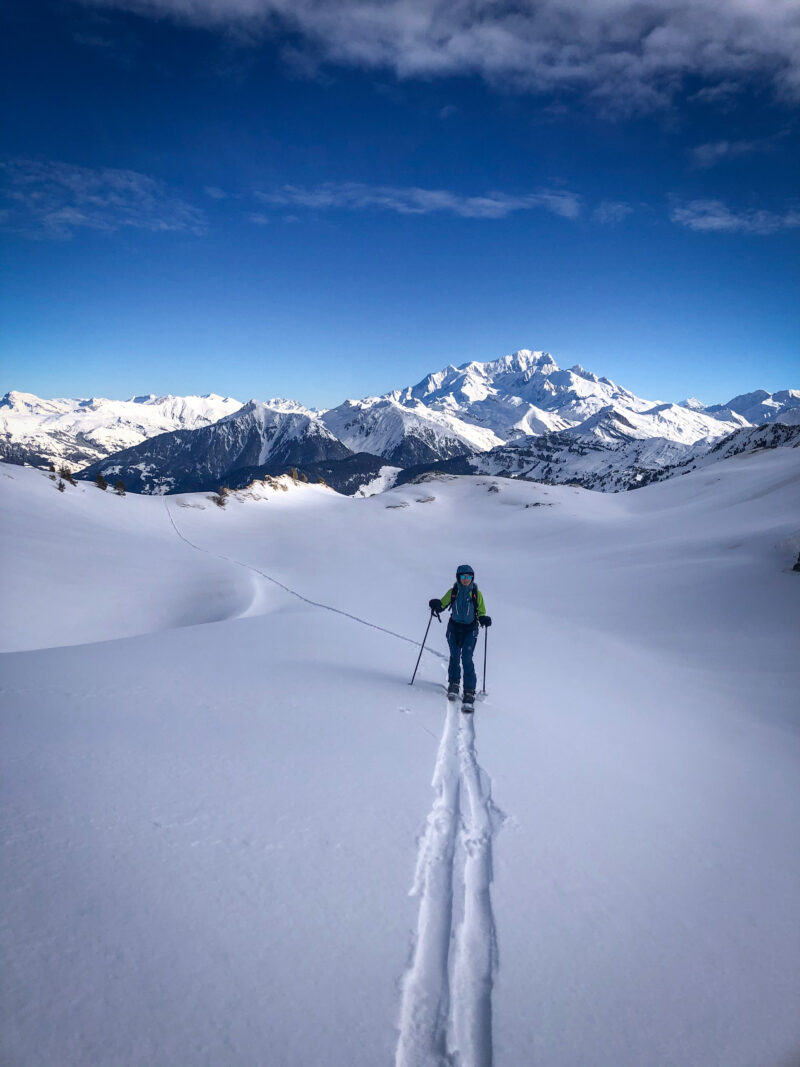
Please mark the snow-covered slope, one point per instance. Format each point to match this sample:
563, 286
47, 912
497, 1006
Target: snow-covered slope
77, 432
210, 831
603, 462
762, 407
608, 453
407, 433
748, 441
252, 437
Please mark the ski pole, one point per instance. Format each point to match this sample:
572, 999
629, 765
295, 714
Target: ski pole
422, 647
485, 648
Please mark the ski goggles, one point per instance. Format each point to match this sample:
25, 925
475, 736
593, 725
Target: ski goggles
466, 577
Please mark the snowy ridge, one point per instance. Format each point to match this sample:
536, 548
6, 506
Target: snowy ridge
250, 438
754, 438
762, 407
404, 434
749, 440
608, 453
667, 421
78, 432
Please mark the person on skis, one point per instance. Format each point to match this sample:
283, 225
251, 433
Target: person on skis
467, 613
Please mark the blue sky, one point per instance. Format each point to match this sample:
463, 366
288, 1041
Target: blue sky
223, 197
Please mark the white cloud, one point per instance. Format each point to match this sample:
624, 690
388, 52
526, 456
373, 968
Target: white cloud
713, 216
53, 199
630, 54
611, 212
721, 93
415, 201
705, 156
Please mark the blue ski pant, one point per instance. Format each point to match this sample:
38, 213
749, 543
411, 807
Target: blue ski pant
462, 646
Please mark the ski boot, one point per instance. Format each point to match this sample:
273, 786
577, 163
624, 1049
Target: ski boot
452, 691
468, 703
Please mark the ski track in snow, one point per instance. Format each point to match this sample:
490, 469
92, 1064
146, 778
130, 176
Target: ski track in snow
293, 592
446, 1009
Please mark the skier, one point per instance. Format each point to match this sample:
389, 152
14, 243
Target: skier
467, 613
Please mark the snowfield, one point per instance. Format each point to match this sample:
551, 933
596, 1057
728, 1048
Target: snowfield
234, 835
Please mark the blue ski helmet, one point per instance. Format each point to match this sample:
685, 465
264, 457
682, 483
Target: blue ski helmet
464, 568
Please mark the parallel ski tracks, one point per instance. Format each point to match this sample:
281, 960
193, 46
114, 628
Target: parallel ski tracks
446, 1008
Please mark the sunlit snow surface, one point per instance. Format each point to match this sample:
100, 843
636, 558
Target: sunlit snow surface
234, 835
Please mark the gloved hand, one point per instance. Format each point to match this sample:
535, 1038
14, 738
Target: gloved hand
485, 620
435, 606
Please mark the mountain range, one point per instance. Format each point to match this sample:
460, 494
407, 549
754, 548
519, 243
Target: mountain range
521, 415
37, 432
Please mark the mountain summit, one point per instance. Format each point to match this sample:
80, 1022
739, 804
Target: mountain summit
479, 406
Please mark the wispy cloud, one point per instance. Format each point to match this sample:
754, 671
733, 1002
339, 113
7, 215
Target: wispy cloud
708, 155
354, 196
720, 94
611, 212
53, 199
629, 54
713, 216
